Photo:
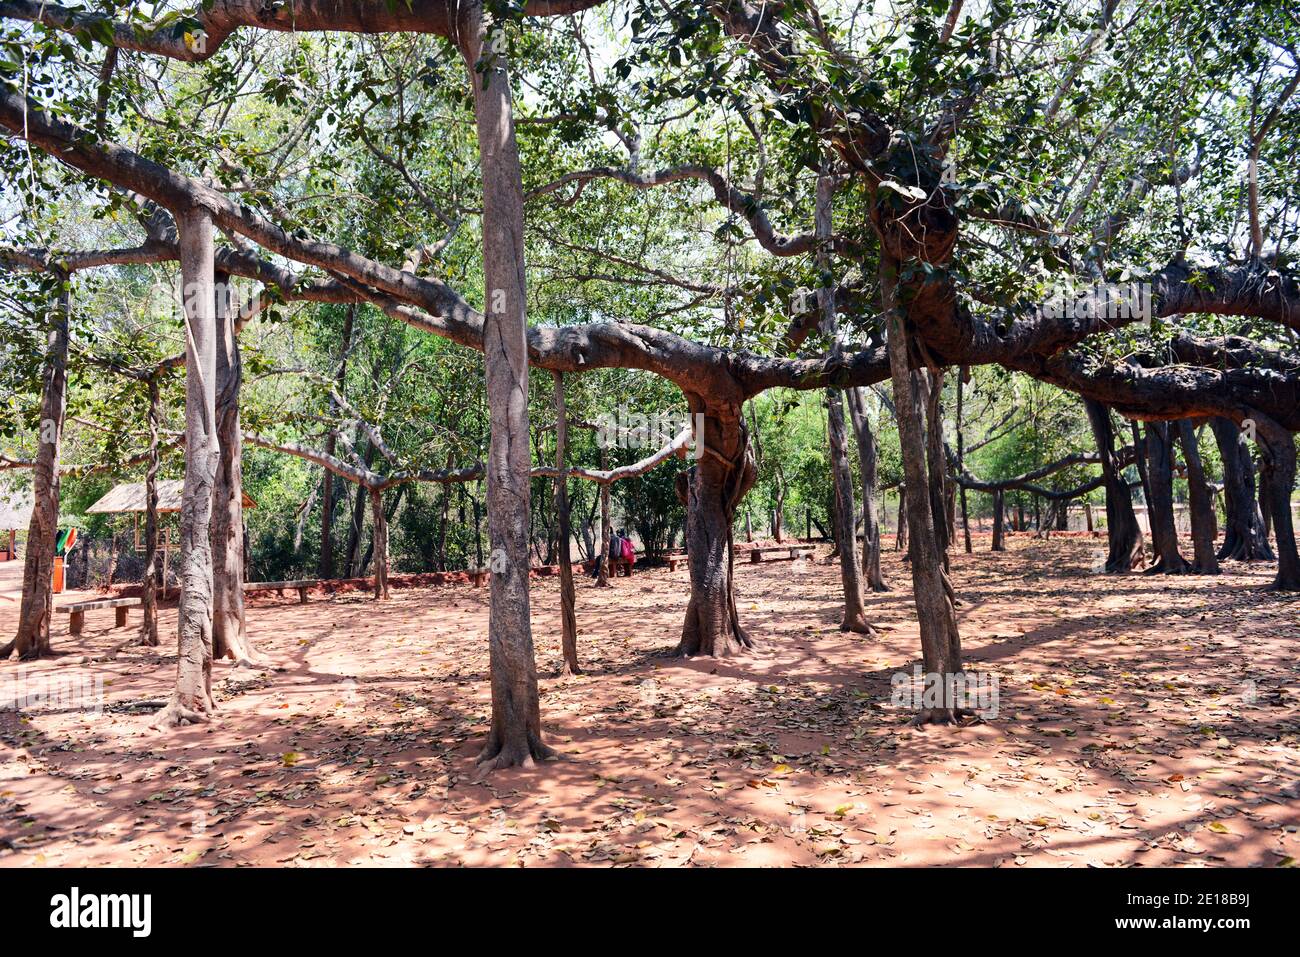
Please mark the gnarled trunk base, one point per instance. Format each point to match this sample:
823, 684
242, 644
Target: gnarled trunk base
711, 489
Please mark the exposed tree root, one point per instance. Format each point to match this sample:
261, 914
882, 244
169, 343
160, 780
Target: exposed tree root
858, 625
737, 642
1168, 567
1280, 584
176, 714
37, 651
962, 717
496, 755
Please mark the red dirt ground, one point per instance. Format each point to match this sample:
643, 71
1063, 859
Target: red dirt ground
1142, 721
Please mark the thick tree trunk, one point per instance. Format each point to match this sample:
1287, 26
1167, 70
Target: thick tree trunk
1244, 537
940, 641
149, 588
999, 522
379, 530
192, 700
515, 737
711, 489
942, 502
37, 608
1201, 503
1278, 461
568, 619
229, 628
1160, 507
1123, 533
867, 460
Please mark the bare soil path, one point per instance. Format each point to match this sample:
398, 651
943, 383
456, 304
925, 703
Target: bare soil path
1142, 721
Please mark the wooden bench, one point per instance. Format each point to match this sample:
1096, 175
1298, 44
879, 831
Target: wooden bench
300, 586
78, 611
779, 553
675, 559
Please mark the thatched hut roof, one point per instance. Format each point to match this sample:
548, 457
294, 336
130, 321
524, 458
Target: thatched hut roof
129, 497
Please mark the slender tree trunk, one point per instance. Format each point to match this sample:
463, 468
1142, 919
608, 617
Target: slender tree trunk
999, 522
379, 528
940, 641
1278, 461
1265, 505
1160, 507
515, 737
900, 539
866, 440
325, 563
1244, 536
855, 613
1123, 533
192, 701
1201, 504
37, 608
353, 559
778, 513
962, 377
325, 569
149, 589
1143, 465
444, 519
602, 560
229, 628
932, 395
568, 619
478, 529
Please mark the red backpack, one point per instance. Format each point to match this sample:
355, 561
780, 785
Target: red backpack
629, 553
